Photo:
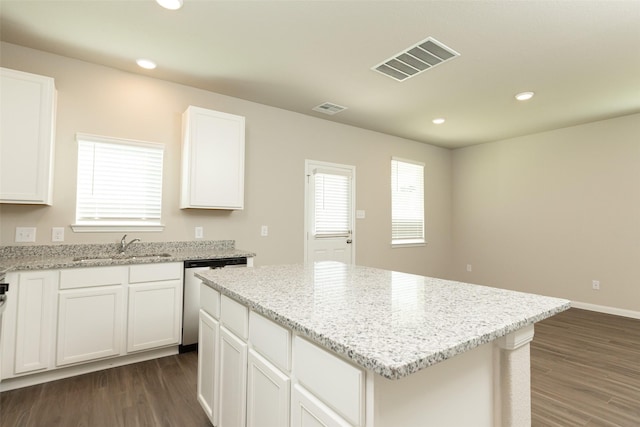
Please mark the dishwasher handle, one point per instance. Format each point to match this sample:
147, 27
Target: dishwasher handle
215, 263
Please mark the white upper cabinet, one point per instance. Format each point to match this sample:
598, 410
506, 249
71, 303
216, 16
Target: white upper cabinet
27, 123
212, 160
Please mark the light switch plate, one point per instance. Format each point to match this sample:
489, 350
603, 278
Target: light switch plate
25, 234
360, 214
199, 232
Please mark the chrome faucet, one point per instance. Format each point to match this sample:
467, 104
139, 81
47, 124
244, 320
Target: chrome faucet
124, 245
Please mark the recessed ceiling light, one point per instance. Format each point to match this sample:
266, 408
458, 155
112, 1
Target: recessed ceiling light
438, 121
170, 4
146, 63
524, 96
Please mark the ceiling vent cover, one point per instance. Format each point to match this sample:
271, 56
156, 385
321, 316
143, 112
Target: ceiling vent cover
416, 59
329, 108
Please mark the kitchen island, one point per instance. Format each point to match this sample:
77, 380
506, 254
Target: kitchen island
365, 347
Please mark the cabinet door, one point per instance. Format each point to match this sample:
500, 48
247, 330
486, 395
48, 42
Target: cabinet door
209, 365
267, 393
308, 411
27, 111
212, 160
154, 315
90, 323
233, 380
29, 323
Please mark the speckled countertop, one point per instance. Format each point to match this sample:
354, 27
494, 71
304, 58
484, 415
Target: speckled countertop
43, 257
391, 323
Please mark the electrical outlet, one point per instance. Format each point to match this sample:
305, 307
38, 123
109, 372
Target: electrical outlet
469, 267
25, 234
199, 232
595, 285
57, 234
264, 231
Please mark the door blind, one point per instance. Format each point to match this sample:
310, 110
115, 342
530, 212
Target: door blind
331, 204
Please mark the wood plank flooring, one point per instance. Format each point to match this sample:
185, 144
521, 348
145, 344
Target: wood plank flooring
585, 372
159, 392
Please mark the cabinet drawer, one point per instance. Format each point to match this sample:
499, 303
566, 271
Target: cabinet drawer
235, 317
94, 276
155, 272
210, 301
271, 340
334, 381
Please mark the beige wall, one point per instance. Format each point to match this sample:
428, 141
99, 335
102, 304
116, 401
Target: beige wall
546, 213
550, 212
104, 101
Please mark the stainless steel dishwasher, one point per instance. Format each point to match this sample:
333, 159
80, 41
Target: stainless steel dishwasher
191, 296
4, 289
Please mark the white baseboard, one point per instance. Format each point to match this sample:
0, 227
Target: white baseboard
608, 310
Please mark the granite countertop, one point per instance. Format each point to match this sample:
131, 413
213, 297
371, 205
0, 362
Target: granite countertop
44, 257
392, 323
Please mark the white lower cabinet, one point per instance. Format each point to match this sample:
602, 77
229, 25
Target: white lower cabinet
63, 318
28, 333
233, 380
154, 315
91, 314
267, 393
334, 381
155, 312
309, 411
254, 372
90, 324
208, 365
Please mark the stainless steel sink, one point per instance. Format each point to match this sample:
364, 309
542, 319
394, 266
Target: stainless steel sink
143, 256
92, 258
120, 256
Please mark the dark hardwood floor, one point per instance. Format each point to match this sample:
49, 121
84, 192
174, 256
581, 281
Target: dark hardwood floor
585, 372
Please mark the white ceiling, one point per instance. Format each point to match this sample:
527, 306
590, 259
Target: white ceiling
582, 58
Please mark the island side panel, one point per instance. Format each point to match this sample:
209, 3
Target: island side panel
513, 378
456, 392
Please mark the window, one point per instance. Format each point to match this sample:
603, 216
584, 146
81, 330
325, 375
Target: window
407, 202
331, 204
119, 184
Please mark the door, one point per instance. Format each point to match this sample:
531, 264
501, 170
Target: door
154, 315
329, 212
34, 330
208, 366
89, 324
233, 380
267, 393
308, 411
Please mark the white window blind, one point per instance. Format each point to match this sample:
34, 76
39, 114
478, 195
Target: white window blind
331, 204
407, 202
119, 182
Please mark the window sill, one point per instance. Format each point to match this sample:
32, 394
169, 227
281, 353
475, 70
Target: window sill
109, 228
408, 244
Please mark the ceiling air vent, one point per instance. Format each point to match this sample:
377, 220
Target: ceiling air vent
329, 108
416, 59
